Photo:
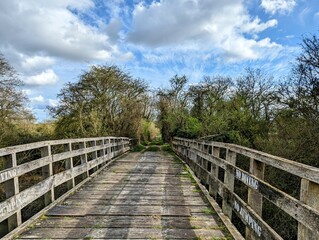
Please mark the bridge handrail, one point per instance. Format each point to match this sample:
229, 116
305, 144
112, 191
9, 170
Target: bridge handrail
205, 160
40, 157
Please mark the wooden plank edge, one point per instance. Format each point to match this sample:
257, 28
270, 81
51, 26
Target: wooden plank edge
34, 218
228, 224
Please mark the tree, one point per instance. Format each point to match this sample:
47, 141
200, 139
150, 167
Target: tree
105, 101
208, 99
255, 98
12, 104
303, 85
296, 124
172, 108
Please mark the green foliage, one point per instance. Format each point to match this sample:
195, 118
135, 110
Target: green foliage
167, 148
138, 148
16, 121
148, 131
254, 110
152, 149
105, 101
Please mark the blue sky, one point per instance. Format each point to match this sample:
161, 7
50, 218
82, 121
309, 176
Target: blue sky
52, 42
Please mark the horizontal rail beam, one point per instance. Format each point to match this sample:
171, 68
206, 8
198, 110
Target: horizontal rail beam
92, 152
203, 158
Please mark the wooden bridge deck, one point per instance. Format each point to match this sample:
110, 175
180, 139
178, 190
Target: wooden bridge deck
141, 196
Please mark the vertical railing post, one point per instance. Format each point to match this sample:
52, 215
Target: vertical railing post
214, 172
11, 189
122, 145
69, 165
47, 171
208, 167
255, 199
84, 158
106, 148
94, 156
229, 180
309, 192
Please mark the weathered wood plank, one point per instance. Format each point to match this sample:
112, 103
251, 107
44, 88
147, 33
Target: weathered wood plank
20, 200
250, 212
295, 208
203, 222
151, 204
25, 147
19, 170
122, 233
296, 168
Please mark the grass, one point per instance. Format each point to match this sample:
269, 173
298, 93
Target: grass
208, 211
98, 225
167, 148
153, 149
138, 148
43, 217
197, 190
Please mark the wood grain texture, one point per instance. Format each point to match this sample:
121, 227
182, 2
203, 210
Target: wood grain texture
305, 210
141, 196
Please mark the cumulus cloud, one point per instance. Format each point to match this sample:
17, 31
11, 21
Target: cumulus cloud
50, 27
214, 25
281, 6
38, 99
47, 77
37, 62
53, 102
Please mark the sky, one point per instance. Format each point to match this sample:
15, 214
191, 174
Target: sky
51, 43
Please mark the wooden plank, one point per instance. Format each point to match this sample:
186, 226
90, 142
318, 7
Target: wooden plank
29, 146
203, 222
159, 206
121, 233
295, 208
19, 170
20, 200
65, 210
290, 205
296, 168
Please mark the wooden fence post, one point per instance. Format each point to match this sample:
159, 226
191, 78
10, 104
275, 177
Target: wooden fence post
106, 142
69, 165
229, 180
84, 158
94, 157
214, 173
255, 199
309, 194
11, 189
47, 171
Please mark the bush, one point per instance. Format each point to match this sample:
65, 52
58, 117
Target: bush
138, 148
167, 148
153, 149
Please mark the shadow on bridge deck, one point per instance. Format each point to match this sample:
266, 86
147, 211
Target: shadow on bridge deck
141, 196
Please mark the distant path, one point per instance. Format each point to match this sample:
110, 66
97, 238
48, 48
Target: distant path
141, 196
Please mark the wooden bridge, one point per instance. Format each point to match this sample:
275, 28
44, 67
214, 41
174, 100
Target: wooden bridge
95, 189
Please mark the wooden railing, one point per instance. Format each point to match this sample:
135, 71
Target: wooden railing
215, 164
39, 173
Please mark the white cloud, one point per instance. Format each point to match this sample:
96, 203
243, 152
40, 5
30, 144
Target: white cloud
27, 92
38, 99
211, 25
47, 77
50, 28
53, 102
37, 62
281, 6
